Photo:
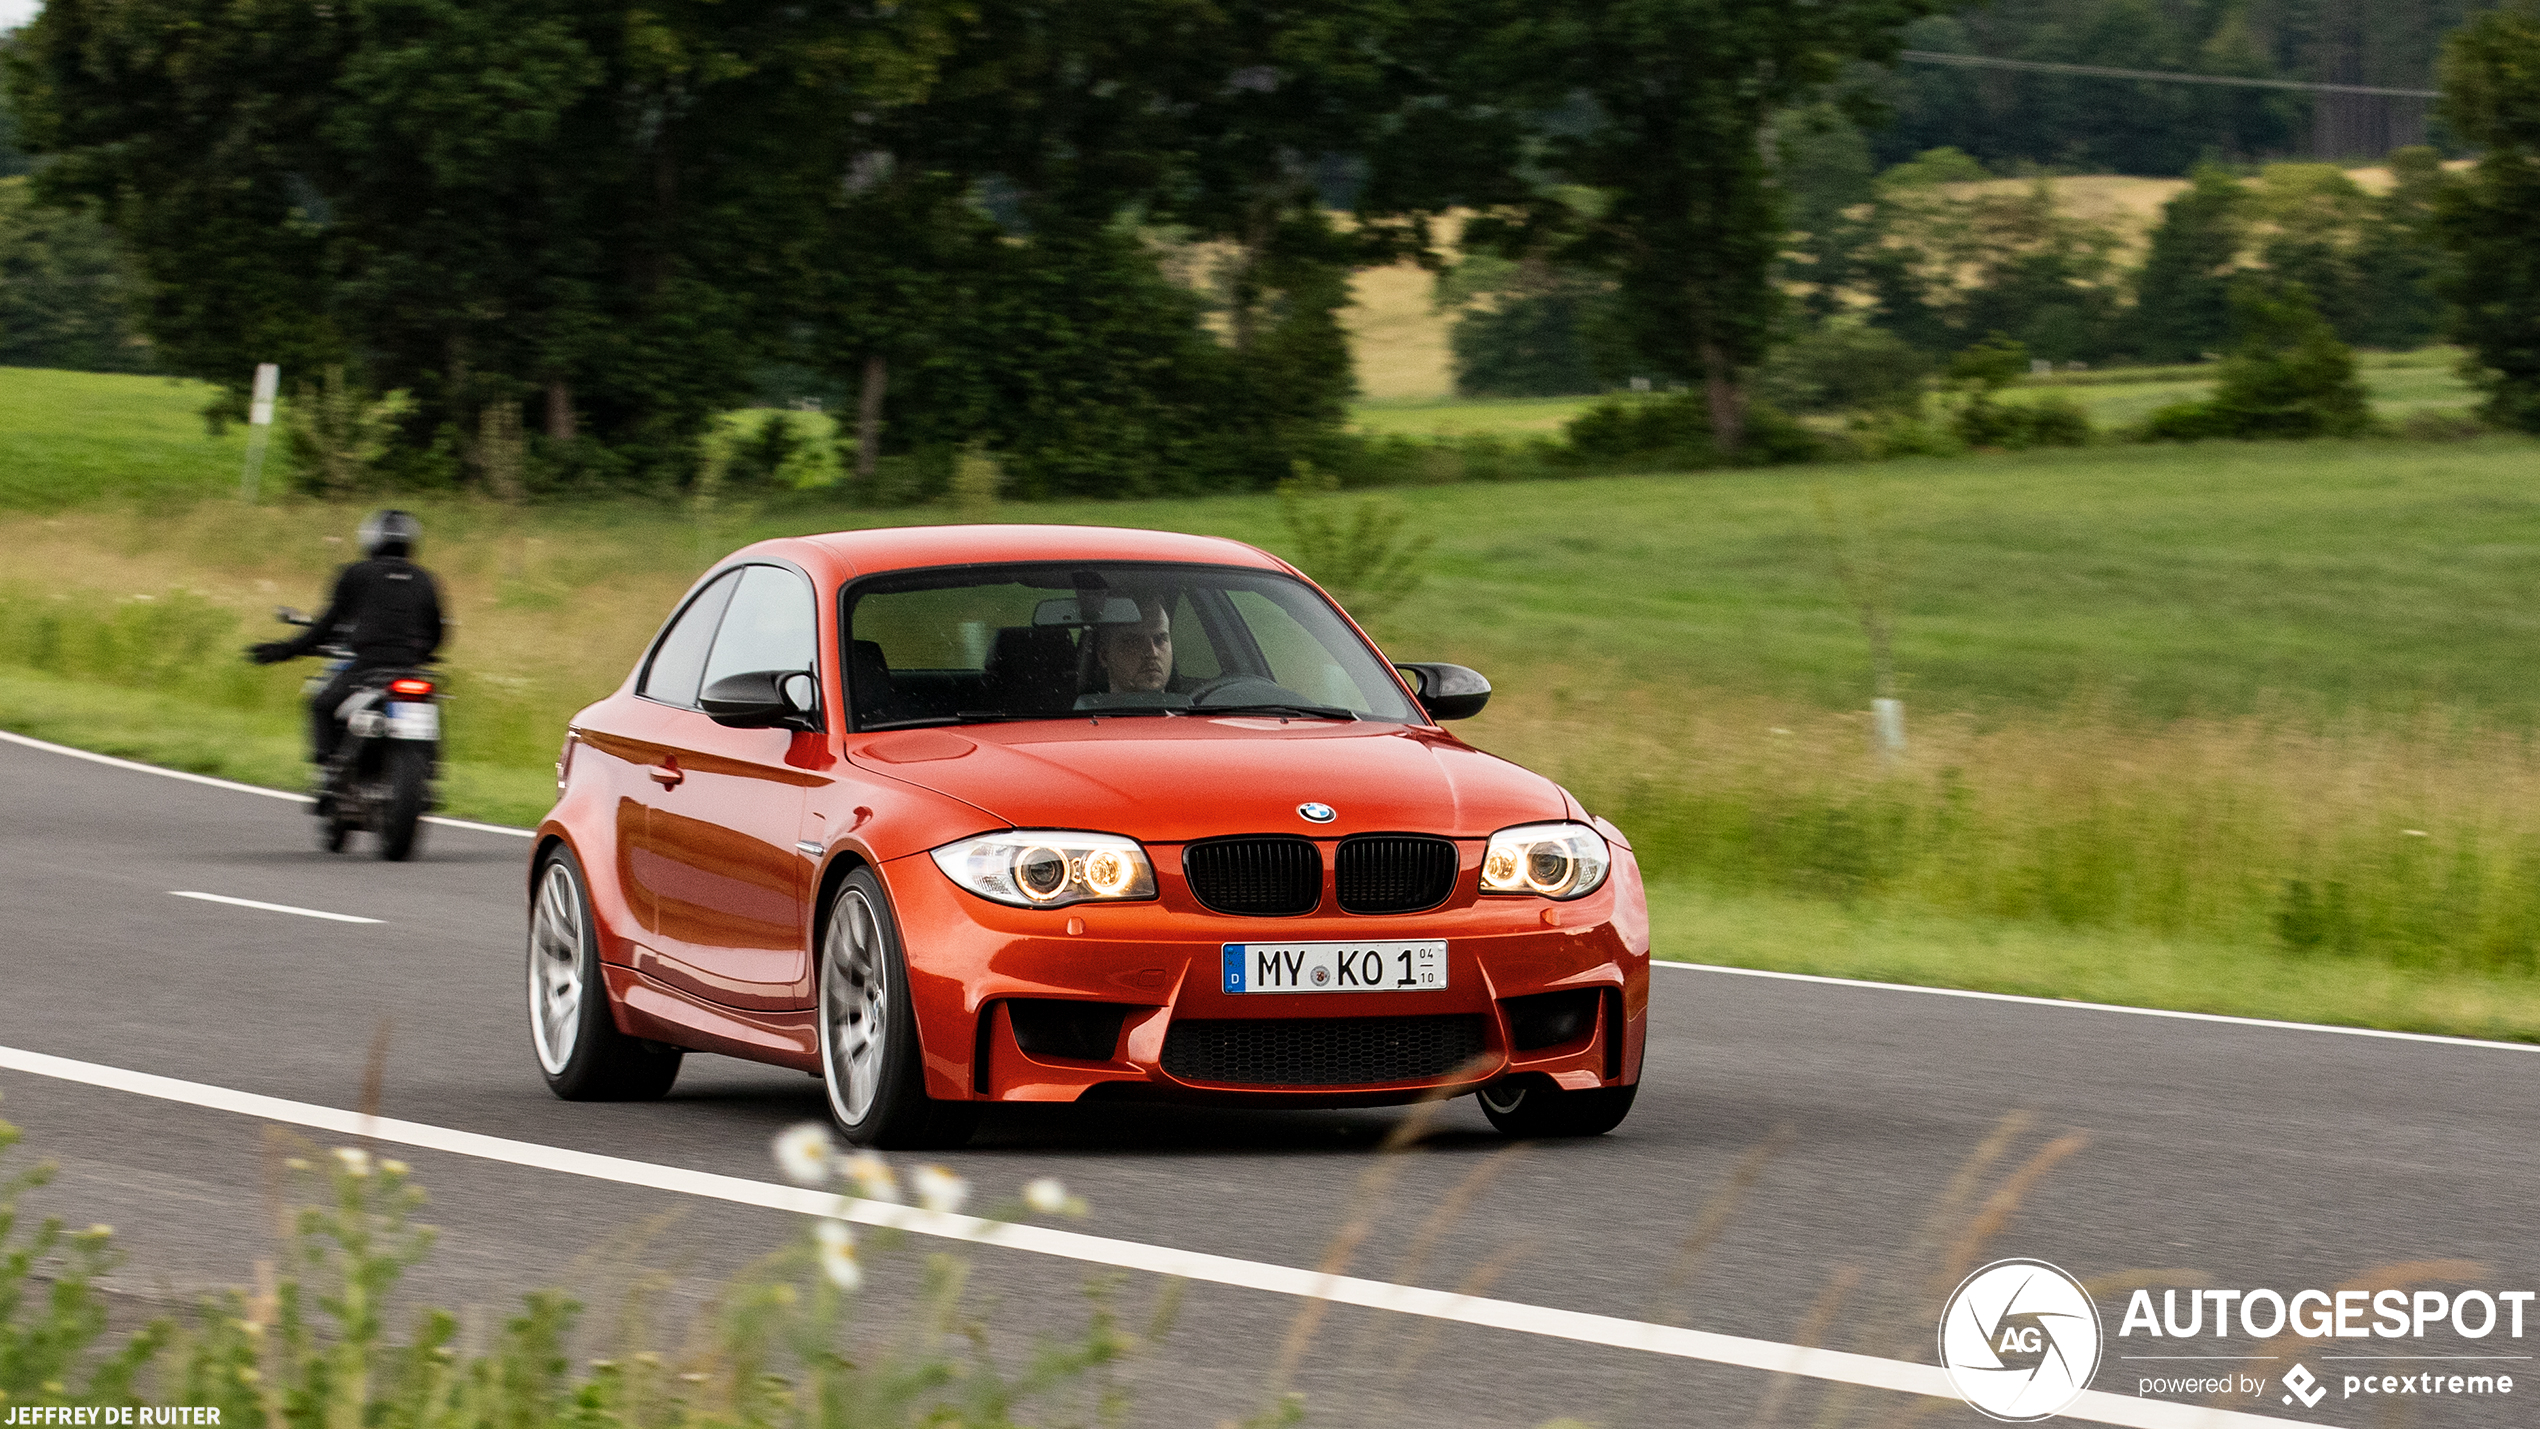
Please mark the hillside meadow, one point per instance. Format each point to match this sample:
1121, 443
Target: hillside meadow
2233, 728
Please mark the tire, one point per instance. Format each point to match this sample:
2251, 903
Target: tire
409, 780
576, 1042
871, 1065
332, 832
1532, 1106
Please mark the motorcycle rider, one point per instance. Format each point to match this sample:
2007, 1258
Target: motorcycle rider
386, 610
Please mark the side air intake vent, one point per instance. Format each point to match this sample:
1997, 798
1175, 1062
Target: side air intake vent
1074, 1031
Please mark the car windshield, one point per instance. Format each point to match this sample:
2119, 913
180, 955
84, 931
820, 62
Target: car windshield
975, 644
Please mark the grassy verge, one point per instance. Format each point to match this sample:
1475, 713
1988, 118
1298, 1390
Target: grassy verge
1893, 942
2252, 700
2399, 382
262, 747
71, 437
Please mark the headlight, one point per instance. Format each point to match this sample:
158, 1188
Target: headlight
1548, 860
1049, 868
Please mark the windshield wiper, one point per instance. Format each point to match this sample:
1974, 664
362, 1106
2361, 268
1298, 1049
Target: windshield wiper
1307, 711
963, 717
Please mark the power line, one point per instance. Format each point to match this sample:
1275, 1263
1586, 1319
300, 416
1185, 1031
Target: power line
1935, 57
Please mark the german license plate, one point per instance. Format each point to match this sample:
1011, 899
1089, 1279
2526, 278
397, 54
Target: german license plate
1336, 967
413, 719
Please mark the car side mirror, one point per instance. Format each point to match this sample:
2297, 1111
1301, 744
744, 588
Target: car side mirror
763, 699
1448, 691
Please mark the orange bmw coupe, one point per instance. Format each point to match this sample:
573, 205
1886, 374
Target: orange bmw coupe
954, 815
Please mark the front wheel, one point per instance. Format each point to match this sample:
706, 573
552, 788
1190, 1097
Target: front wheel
580, 1051
870, 1061
408, 778
1533, 1106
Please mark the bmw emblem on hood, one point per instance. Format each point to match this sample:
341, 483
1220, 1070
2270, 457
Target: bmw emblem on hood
1316, 813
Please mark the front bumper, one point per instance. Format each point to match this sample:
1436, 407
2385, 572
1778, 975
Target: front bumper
1015, 1004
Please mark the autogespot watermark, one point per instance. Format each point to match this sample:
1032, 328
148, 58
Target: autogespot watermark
2020, 1340
2459, 1365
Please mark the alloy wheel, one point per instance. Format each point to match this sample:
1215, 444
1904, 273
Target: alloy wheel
854, 1007
555, 969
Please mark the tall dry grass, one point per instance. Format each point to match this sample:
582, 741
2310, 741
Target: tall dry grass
2416, 840
2413, 839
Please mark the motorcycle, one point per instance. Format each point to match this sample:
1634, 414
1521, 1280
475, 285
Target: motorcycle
381, 779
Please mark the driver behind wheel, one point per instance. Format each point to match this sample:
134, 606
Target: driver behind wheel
1134, 659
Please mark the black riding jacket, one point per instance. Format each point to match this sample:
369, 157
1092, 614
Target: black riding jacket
386, 611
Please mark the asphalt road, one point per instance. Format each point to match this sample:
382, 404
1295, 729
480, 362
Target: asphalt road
2223, 1155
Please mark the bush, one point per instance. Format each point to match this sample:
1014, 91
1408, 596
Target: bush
1673, 433
1844, 369
2053, 420
1525, 347
1524, 328
2288, 377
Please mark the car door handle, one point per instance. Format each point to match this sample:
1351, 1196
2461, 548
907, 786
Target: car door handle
666, 774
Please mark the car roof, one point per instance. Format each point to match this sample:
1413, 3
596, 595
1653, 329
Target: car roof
898, 548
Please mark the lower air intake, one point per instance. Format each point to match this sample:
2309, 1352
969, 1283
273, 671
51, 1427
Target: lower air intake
1320, 1051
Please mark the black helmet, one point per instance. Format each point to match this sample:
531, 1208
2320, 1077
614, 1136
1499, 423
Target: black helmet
390, 533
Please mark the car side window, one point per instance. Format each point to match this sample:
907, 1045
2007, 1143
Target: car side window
678, 666
1297, 635
771, 625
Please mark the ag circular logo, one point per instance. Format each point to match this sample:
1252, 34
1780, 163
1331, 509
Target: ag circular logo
1316, 813
2020, 1340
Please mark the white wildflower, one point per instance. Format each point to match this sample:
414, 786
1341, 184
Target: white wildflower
803, 1153
835, 1242
354, 1160
872, 1177
1047, 1196
394, 1167
939, 1190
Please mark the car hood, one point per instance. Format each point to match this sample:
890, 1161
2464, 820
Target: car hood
1171, 780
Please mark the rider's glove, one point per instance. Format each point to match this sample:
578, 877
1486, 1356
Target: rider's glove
272, 652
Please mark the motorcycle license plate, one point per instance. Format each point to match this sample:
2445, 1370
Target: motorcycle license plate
413, 719
1336, 967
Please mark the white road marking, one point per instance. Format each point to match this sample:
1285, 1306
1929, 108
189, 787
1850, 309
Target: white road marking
2440, 1041
136, 766
1841, 1366
269, 907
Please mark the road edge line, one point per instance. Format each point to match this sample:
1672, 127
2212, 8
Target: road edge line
1542, 1320
211, 781
2387, 1034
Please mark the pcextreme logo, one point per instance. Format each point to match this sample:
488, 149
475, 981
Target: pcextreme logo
2020, 1340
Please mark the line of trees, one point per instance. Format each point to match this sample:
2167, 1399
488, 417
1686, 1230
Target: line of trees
604, 221
1890, 274
545, 241
1938, 256
2100, 125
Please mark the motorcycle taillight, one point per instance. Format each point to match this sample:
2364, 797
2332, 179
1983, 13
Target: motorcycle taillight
410, 689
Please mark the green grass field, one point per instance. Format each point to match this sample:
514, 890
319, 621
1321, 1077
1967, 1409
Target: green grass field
2236, 728
2400, 383
71, 437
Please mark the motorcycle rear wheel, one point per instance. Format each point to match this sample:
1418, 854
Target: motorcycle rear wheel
408, 778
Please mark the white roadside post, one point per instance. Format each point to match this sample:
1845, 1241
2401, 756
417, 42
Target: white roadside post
259, 427
1887, 719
